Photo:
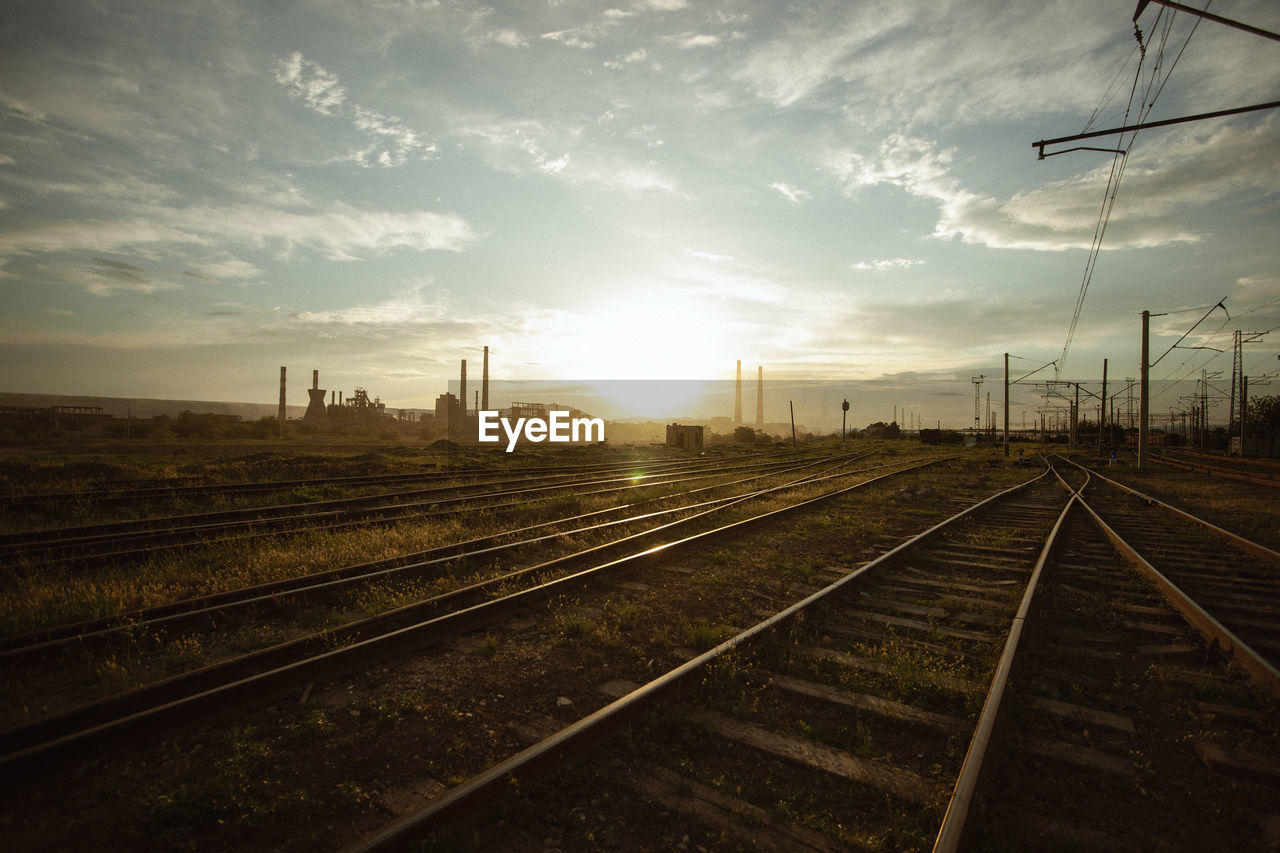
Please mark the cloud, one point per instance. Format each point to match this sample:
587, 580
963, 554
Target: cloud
887, 264
886, 62
106, 277
339, 232
528, 146
308, 81
504, 37
637, 55
392, 143
583, 37
402, 310
793, 195
1160, 184
690, 41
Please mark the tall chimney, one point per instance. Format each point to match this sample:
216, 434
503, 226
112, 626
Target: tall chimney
737, 396
759, 395
282, 394
484, 383
462, 388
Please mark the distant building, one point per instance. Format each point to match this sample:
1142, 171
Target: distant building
684, 437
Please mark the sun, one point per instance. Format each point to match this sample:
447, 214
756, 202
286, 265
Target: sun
649, 336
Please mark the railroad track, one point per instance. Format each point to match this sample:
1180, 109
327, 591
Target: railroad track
1233, 582
159, 490
758, 727
254, 677
192, 611
143, 537
1126, 731
1234, 469
872, 712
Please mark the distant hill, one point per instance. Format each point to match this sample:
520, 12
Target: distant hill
143, 408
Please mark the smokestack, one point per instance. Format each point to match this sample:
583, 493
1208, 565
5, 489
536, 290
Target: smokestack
737, 396
282, 394
484, 383
462, 388
760, 395
315, 379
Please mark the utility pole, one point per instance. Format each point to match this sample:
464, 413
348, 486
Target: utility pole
1244, 408
1102, 407
1179, 7
1006, 404
1144, 398
977, 402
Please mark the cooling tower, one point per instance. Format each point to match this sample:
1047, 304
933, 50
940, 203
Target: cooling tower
317, 415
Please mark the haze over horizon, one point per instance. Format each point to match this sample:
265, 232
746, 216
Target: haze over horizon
195, 193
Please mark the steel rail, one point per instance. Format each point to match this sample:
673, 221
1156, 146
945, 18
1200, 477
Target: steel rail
951, 832
275, 592
1248, 545
243, 680
347, 512
1251, 465
331, 522
84, 533
1227, 473
489, 787
1217, 634
143, 492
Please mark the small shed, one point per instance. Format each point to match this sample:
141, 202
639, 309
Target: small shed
684, 437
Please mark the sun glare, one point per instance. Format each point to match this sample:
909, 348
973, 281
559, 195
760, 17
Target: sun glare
663, 335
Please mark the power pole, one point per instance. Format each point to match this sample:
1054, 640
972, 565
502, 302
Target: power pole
1179, 7
1006, 404
1102, 407
1244, 408
977, 402
1144, 399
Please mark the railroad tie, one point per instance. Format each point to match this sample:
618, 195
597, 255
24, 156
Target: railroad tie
895, 780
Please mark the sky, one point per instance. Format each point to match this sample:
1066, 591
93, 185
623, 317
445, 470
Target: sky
193, 194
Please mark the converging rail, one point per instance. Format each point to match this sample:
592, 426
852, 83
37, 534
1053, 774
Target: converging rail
194, 610
143, 537
907, 685
256, 676
995, 678
839, 649
1256, 472
1225, 585
1127, 730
